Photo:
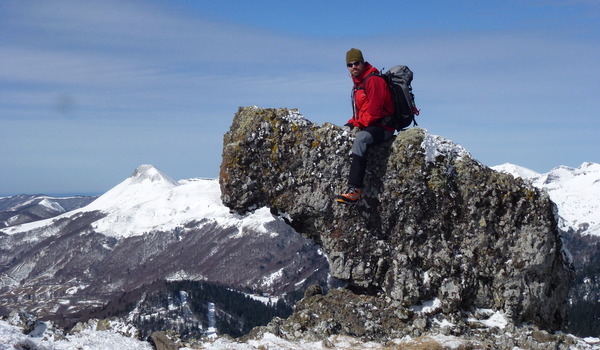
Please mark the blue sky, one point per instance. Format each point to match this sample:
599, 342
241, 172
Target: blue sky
89, 90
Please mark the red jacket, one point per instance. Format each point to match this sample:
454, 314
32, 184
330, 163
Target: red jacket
372, 99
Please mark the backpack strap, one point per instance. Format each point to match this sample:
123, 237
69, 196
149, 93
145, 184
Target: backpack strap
364, 81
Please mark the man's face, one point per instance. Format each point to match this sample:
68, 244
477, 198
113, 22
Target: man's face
356, 68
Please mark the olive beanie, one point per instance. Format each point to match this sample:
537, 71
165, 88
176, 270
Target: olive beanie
354, 55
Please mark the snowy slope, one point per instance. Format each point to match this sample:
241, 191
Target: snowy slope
516, 170
148, 228
151, 201
576, 192
12, 337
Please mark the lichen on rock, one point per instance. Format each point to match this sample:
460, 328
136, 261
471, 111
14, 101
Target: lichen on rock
433, 223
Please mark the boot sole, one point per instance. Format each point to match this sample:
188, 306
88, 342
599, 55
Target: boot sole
344, 200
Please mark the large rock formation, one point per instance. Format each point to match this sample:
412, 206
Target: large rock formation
435, 226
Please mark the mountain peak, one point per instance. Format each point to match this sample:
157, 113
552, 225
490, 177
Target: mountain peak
576, 192
516, 170
147, 172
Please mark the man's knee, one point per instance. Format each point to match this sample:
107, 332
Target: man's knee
362, 140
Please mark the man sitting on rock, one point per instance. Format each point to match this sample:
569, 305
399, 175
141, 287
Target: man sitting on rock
372, 105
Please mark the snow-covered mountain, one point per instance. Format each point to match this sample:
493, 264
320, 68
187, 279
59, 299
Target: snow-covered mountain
576, 192
150, 200
148, 228
19, 209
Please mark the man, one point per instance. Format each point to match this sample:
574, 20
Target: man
372, 106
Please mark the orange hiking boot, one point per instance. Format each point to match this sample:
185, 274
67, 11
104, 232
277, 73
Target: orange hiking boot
350, 196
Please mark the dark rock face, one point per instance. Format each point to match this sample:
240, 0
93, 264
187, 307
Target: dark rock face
341, 311
433, 225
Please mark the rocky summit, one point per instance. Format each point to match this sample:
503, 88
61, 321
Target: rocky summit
435, 231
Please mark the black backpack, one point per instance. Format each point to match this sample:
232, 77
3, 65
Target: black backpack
399, 79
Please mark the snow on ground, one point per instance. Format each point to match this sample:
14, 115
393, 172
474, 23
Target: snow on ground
296, 117
272, 342
496, 319
272, 278
428, 306
12, 337
435, 146
267, 300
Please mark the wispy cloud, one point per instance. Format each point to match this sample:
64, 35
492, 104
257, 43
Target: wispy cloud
130, 52
140, 72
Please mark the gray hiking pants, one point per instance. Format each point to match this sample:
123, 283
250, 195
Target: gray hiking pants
368, 136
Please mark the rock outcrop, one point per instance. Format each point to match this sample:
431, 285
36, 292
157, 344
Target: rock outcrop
435, 226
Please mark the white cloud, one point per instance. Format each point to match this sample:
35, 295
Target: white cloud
144, 62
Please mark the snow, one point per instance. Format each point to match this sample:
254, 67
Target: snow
426, 277
272, 342
151, 201
428, 306
9, 335
296, 117
272, 278
12, 337
516, 170
576, 192
495, 320
51, 205
592, 340
435, 146
267, 300
444, 323
212, 321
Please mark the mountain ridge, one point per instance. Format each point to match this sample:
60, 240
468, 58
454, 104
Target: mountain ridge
576, 192
151, 200
20, 209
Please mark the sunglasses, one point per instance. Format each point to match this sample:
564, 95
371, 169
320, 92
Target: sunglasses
355, 63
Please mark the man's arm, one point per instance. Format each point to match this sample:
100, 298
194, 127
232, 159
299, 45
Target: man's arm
377, 93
